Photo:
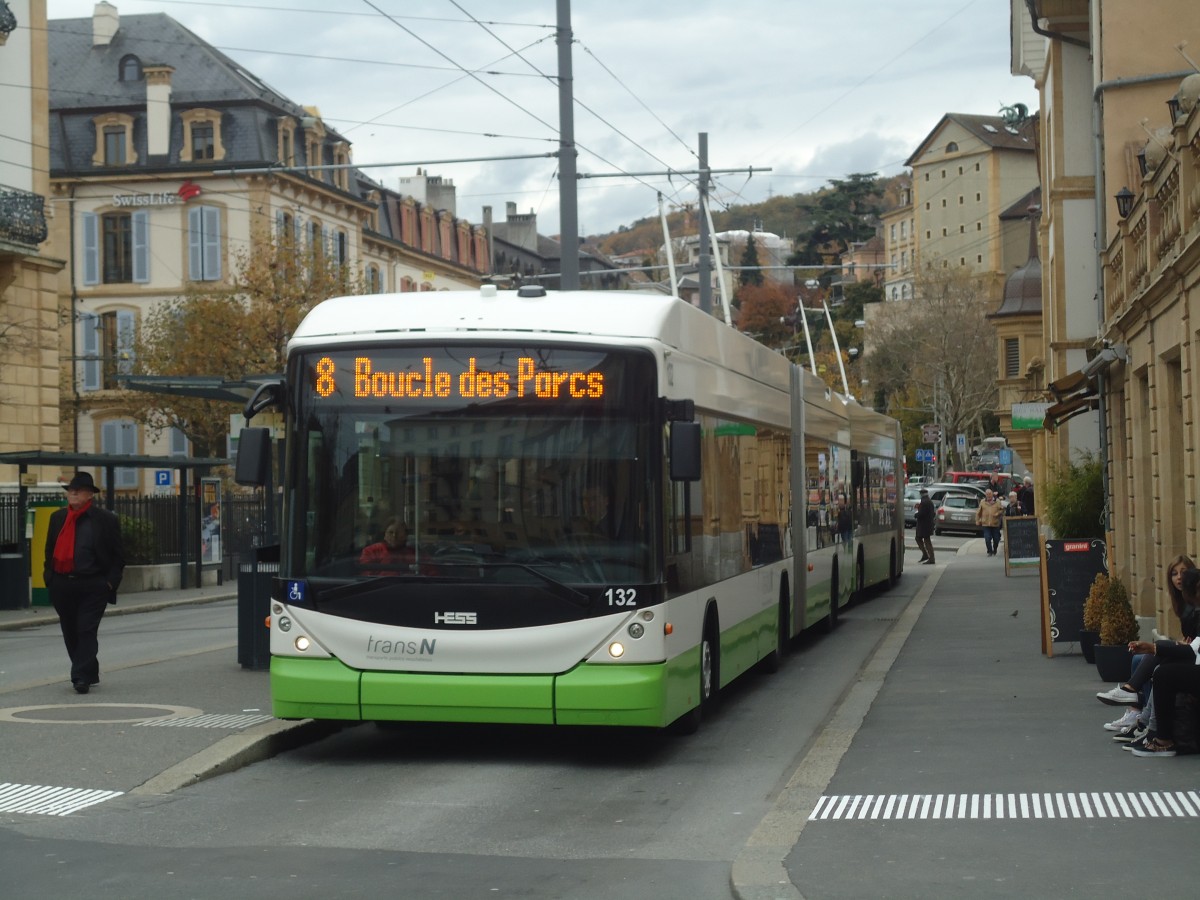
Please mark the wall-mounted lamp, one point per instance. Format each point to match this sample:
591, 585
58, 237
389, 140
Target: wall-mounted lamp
1124, 198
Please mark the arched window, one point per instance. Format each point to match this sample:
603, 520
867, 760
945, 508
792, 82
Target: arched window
130, 68
952, 147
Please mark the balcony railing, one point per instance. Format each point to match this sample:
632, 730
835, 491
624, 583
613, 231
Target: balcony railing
1164, 220
22, 217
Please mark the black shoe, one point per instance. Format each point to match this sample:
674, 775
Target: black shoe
81, 687
922, 559
927, 562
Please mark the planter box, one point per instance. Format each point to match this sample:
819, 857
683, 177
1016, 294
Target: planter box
165, 577
1113, 662
1087, 644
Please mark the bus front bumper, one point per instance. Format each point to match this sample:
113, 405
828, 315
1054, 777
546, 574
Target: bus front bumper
646, 695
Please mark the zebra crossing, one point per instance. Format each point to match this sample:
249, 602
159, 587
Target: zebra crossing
1052, 805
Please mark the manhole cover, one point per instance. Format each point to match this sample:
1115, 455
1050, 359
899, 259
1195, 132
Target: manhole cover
94, 713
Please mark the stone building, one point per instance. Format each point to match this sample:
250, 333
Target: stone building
167, 158
29, 263
1120, 157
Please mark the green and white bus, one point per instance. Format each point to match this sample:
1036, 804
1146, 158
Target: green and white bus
615, 505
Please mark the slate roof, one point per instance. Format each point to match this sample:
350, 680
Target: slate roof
85, 80
992, 131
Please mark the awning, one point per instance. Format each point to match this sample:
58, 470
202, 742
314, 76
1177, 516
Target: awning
1080, 402
1069, 385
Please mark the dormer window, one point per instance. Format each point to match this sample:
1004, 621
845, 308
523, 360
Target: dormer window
201, 136
286, 149
114, 140
952, 147
130, 68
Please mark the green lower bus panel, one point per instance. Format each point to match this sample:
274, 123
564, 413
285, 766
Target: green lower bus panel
414, 697
613, 695
313, 689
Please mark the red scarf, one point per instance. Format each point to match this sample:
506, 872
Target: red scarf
64, 547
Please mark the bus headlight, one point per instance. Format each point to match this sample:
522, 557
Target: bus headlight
636, 630
302, 643
616, 649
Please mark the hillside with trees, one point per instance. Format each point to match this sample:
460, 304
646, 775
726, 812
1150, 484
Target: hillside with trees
821, 222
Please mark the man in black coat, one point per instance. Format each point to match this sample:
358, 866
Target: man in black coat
924, 529
83, 568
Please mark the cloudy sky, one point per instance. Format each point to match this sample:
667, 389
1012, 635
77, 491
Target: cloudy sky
811, 90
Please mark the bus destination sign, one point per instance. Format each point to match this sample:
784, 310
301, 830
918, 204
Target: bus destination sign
373, 381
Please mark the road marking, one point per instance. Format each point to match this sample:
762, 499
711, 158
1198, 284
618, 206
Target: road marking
43, 800
1105, 805
210, 720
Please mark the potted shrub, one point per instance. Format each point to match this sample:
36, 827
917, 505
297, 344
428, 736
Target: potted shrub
1118, 626
1093, 609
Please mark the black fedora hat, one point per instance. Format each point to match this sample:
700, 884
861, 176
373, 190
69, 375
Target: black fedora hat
82, 481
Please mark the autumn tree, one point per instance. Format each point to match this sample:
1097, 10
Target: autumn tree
233, 331
935, 353
767, 312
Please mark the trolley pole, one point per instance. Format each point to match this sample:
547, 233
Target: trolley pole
704, 269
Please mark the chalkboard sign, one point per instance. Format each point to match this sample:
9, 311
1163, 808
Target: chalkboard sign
1022, 543
1071, 567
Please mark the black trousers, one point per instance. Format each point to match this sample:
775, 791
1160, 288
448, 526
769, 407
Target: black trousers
80, 604
1170, 680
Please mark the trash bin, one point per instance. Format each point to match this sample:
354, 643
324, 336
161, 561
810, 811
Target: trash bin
254, 605
14, 580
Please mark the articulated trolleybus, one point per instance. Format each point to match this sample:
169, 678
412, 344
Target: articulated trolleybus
614, 504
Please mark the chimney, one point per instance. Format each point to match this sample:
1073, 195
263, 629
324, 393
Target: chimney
104, 24
158, 108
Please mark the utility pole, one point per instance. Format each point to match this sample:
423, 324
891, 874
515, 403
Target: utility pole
704, 270
705, 175
567, 179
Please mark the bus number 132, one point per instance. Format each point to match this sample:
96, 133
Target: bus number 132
621, 596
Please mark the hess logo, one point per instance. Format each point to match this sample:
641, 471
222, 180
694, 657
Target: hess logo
454, 618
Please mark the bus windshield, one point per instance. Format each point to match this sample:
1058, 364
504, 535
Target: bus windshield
454, 464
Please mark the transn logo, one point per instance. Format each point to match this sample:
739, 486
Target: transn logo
454, 618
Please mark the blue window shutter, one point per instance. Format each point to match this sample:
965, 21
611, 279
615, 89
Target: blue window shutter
179, 442
195, 244
211, 220
125, 339
89, 325
141, 247
91, 248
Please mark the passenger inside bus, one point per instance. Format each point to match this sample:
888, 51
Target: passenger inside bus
390, 556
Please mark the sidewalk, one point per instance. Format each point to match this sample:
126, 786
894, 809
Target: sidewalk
145, 601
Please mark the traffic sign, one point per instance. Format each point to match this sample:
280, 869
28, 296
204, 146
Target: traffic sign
924, 455
931, 434
162, 477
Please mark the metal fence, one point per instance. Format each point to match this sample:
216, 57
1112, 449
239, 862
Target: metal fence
151, 528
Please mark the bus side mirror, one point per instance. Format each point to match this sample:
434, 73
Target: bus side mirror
253, 456
685, 451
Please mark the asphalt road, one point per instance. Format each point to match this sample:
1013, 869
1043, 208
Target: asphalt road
408, 810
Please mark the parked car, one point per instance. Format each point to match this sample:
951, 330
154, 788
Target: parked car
957, 513
912, 496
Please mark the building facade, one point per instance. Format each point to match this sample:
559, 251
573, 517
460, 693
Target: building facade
1120, 326
169, 162
29, 263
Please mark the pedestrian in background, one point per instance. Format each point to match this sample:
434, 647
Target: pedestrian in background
83, 568
924, 527
988, 516
1025, 496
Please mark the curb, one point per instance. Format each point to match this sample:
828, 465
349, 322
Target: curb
237, 751
45, 615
